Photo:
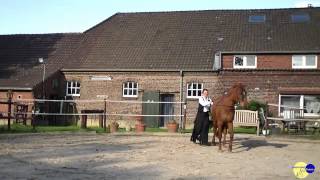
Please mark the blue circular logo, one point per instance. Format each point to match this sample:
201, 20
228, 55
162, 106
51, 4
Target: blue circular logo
310, 168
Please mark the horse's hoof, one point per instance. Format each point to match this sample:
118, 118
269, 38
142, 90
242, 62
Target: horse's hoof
220, 151
230, 150
213, 144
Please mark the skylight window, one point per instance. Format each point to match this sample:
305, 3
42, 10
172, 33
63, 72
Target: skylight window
297, 18
257, 18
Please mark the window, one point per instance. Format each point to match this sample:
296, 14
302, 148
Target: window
310, 104
194, 90
297, 18
257, 18
304, 61
55, 83
73, 88
130, 89
247, 61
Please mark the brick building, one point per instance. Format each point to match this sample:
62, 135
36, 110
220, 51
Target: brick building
172, 56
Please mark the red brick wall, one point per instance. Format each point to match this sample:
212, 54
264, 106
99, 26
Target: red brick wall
261, 85
165, 82
265, 61
264, 86
16, 94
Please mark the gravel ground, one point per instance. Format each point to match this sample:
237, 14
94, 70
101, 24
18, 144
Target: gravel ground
150, 156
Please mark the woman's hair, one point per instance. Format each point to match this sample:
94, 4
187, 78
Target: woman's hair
204, 90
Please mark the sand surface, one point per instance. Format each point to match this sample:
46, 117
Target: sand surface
150, 156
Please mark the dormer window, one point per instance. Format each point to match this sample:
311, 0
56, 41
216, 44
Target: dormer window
245, 61
298, 18
257, 18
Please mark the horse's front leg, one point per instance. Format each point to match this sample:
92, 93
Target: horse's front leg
214, 135
230, 127
220, 136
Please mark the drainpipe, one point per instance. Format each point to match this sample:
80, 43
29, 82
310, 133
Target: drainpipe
181, 99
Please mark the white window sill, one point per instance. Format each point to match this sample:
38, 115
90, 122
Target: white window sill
304, 67
74, 95
193, 97
126, 96
244, 67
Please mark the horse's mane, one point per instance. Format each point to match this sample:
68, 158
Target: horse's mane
229, 92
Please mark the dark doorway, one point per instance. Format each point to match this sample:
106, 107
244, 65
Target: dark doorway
54, 107
166, 108
151, 108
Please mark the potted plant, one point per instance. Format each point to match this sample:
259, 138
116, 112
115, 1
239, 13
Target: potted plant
140, 126
114, 126
172, 126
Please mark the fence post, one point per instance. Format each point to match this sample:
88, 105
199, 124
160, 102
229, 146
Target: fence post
105, 115
184, 115
100, 120
84, 119
33, 123
267, 112
9, 95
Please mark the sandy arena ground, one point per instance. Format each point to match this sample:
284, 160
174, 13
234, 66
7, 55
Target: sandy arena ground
150, 156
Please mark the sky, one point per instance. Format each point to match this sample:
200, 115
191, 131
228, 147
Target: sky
57, 16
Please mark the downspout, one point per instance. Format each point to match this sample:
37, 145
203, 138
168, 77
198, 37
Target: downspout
181, 99
220, 60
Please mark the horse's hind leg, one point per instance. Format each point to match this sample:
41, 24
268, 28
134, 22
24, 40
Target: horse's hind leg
230, 129
224, 137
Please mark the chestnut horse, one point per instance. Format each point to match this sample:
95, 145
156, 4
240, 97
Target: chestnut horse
223, 113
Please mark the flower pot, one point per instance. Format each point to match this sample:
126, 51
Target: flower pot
172, 127
114, 127
140, 127
265, 132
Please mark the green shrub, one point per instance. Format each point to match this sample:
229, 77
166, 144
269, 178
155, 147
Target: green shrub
254, 105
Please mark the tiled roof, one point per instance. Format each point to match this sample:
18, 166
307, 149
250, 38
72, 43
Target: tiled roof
189, 40
19, 66
185, 40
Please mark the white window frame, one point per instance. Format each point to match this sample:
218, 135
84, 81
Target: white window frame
194, 97
73, 87
304, 61
301, 104
245, 66
132, 88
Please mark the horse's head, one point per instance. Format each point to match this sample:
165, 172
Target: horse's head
239, 94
